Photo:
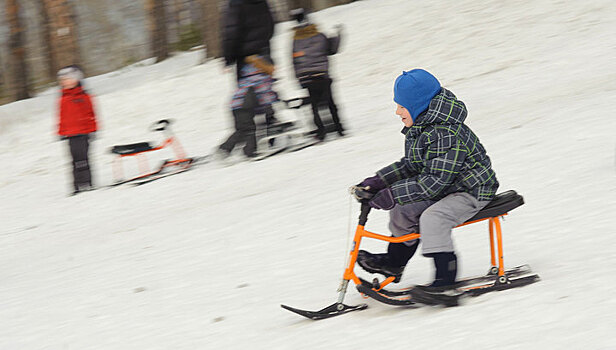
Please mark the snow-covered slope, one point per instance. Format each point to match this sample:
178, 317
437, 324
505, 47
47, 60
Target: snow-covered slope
203, 259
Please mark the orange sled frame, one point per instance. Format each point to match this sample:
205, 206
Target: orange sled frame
140, 149
498, 207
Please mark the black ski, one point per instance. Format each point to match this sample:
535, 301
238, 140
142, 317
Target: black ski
193, 163
157, 177
286, 149
422, 296
269, 154
469, 281
330, 311
473, 286
304, 145
160, 173
397, 300
492, 287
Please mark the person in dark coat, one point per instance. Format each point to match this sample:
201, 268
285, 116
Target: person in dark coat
248, 28
77, 121
310, 61
444, 178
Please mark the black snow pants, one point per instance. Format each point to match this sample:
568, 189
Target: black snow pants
320, 91
79, 146
244, 126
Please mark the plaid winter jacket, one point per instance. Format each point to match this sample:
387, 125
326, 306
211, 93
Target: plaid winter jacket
441, 156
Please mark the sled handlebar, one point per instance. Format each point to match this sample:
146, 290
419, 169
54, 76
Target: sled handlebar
363, 196
161, 125
363, 216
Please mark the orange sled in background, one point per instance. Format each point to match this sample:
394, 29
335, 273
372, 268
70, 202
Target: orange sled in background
139, 151
497, 278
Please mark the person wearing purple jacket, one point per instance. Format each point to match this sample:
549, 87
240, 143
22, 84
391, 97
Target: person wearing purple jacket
310, 61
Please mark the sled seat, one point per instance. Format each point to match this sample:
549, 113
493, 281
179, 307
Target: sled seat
500, 205
132, 148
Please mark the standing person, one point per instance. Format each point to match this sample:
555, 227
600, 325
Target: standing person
248, 28
253, 96
77, 121
444, 178
310, 51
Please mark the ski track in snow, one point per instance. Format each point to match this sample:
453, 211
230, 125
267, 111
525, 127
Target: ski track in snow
204, 259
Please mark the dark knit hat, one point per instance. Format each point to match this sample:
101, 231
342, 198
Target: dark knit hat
298, 14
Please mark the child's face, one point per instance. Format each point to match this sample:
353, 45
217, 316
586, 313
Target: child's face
68, 83
405, 115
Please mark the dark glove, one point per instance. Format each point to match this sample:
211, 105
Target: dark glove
373, 184
384, 200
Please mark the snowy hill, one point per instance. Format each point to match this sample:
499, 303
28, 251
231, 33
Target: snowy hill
204, 259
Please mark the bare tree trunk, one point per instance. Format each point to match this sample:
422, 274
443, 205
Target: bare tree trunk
3, 79
60, 30
210, 27
17, 59
174, 26
49, 61
158, 29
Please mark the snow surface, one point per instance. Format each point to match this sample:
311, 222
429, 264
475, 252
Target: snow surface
203, 259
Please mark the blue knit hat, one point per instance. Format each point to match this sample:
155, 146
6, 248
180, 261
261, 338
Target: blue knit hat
414, 89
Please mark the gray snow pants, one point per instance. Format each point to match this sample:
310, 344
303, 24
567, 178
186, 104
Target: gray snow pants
434, 220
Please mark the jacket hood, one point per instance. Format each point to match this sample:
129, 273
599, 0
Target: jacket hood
305, 31
444, 108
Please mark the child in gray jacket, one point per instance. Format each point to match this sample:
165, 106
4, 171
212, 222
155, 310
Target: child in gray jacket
311, 64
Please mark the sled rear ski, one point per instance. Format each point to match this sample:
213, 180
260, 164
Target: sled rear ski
139, 150
497, 278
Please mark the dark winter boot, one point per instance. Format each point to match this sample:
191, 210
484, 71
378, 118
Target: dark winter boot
379, 263
446, 270
340, 130
442, 290
391, 263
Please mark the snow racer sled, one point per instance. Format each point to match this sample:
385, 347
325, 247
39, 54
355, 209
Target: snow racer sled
497, 278
289, 136
139, 150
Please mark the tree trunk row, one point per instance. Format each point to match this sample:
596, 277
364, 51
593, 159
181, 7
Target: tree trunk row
61, 40
18, 69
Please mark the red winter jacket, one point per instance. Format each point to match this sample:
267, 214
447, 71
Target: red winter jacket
76, 113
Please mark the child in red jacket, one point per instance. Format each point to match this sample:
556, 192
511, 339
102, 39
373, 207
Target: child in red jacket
76, 122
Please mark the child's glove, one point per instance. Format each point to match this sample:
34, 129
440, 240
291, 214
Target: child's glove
373, 184
384, 200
